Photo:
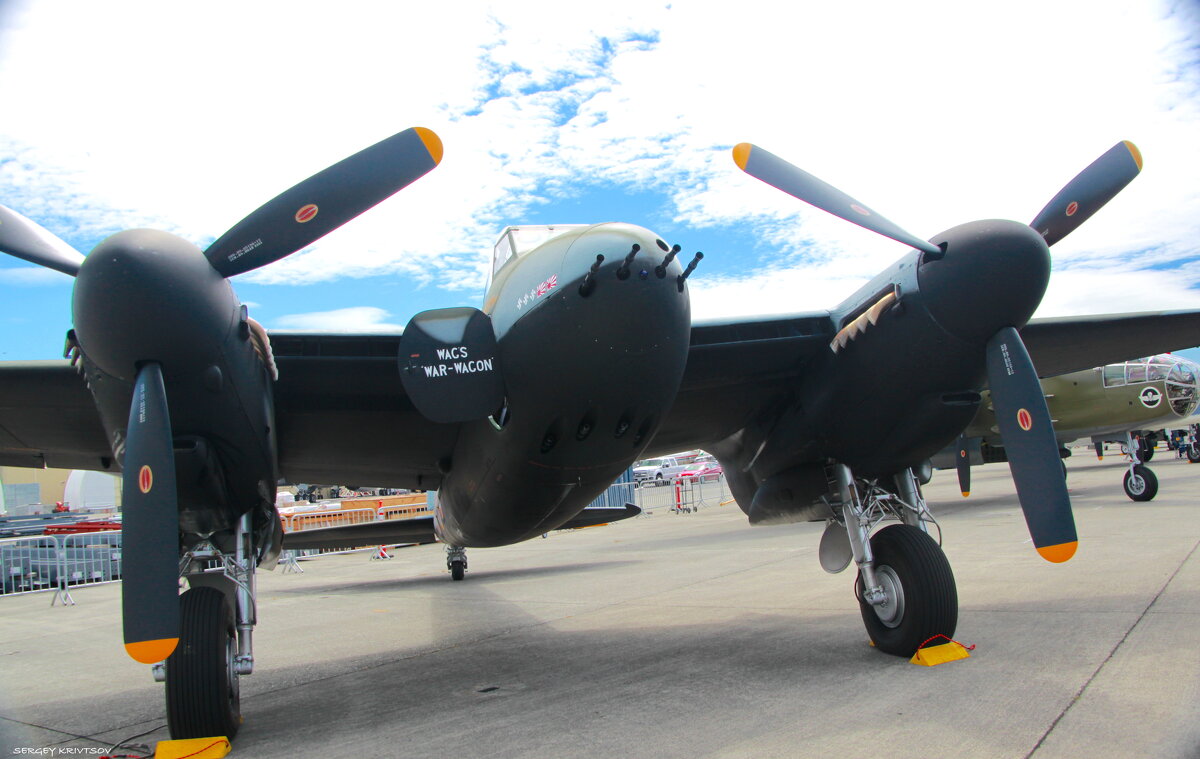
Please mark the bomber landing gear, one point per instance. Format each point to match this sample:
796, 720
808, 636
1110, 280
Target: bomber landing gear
202, 681
217, 618
905, 587
456, 562
1139, 482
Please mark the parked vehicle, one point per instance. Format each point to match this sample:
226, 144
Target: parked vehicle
658, 471
704, 469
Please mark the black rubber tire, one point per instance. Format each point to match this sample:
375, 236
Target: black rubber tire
203, 698
1193, 454
930, 595
458, 570
1149, 483
1145, 453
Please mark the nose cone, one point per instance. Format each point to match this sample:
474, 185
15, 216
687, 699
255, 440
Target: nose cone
993, 275
1183, 386
144, 295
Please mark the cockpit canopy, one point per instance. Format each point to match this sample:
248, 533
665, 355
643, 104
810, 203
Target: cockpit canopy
1181, 377
515, 242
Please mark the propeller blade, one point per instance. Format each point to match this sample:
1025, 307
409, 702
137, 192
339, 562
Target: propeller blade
150, 525
27, 240
1088, 192
963, 464
1031, 446
798, 183
325, 201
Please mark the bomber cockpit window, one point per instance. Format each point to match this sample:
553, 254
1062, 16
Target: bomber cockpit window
1114, 375
515, 242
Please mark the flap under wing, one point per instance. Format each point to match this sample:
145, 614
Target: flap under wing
384, 532
1071, 344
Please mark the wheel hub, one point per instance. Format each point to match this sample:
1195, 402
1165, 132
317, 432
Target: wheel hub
231, 674
1137, 484
891, 610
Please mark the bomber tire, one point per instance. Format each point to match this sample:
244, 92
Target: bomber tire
458, 570
203, 698
1140, 483
908, 559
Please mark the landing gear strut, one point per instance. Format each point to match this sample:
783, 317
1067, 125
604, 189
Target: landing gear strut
905, 587
456, 562
215, 648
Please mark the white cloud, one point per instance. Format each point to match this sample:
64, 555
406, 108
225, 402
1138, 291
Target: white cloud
359, 319
28, 276
934, 113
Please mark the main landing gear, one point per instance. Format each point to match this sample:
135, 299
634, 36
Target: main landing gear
1140, 482
215, 644
905, 587
456, 562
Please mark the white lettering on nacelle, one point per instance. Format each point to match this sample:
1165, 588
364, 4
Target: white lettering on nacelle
458, 351
459, 367
470, 367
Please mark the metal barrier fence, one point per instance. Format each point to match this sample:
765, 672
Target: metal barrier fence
312, 520
684, 495
59, 563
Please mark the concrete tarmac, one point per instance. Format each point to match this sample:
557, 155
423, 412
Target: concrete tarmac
680, 636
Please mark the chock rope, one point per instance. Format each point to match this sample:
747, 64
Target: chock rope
947, 637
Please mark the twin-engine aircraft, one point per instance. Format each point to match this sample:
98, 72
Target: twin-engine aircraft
583, 359
1128, 402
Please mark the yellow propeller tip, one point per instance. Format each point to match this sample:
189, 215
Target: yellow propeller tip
433, 143
966, 493
1058, 553
741, 154
1134, 153
151, 651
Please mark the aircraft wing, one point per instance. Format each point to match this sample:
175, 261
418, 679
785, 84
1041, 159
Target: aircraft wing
343, 417
734, 369
341, 414
48, 419
1071, 344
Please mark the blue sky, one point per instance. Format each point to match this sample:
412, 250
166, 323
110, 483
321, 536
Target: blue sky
185, 117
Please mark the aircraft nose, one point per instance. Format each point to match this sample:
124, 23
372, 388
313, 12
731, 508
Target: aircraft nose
1183, 387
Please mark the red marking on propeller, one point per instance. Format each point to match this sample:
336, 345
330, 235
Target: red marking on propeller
307, 213
1072, 208
859, 209
1025, 420
145, 479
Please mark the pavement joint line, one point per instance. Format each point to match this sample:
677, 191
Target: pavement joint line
73, 736
1083, 689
